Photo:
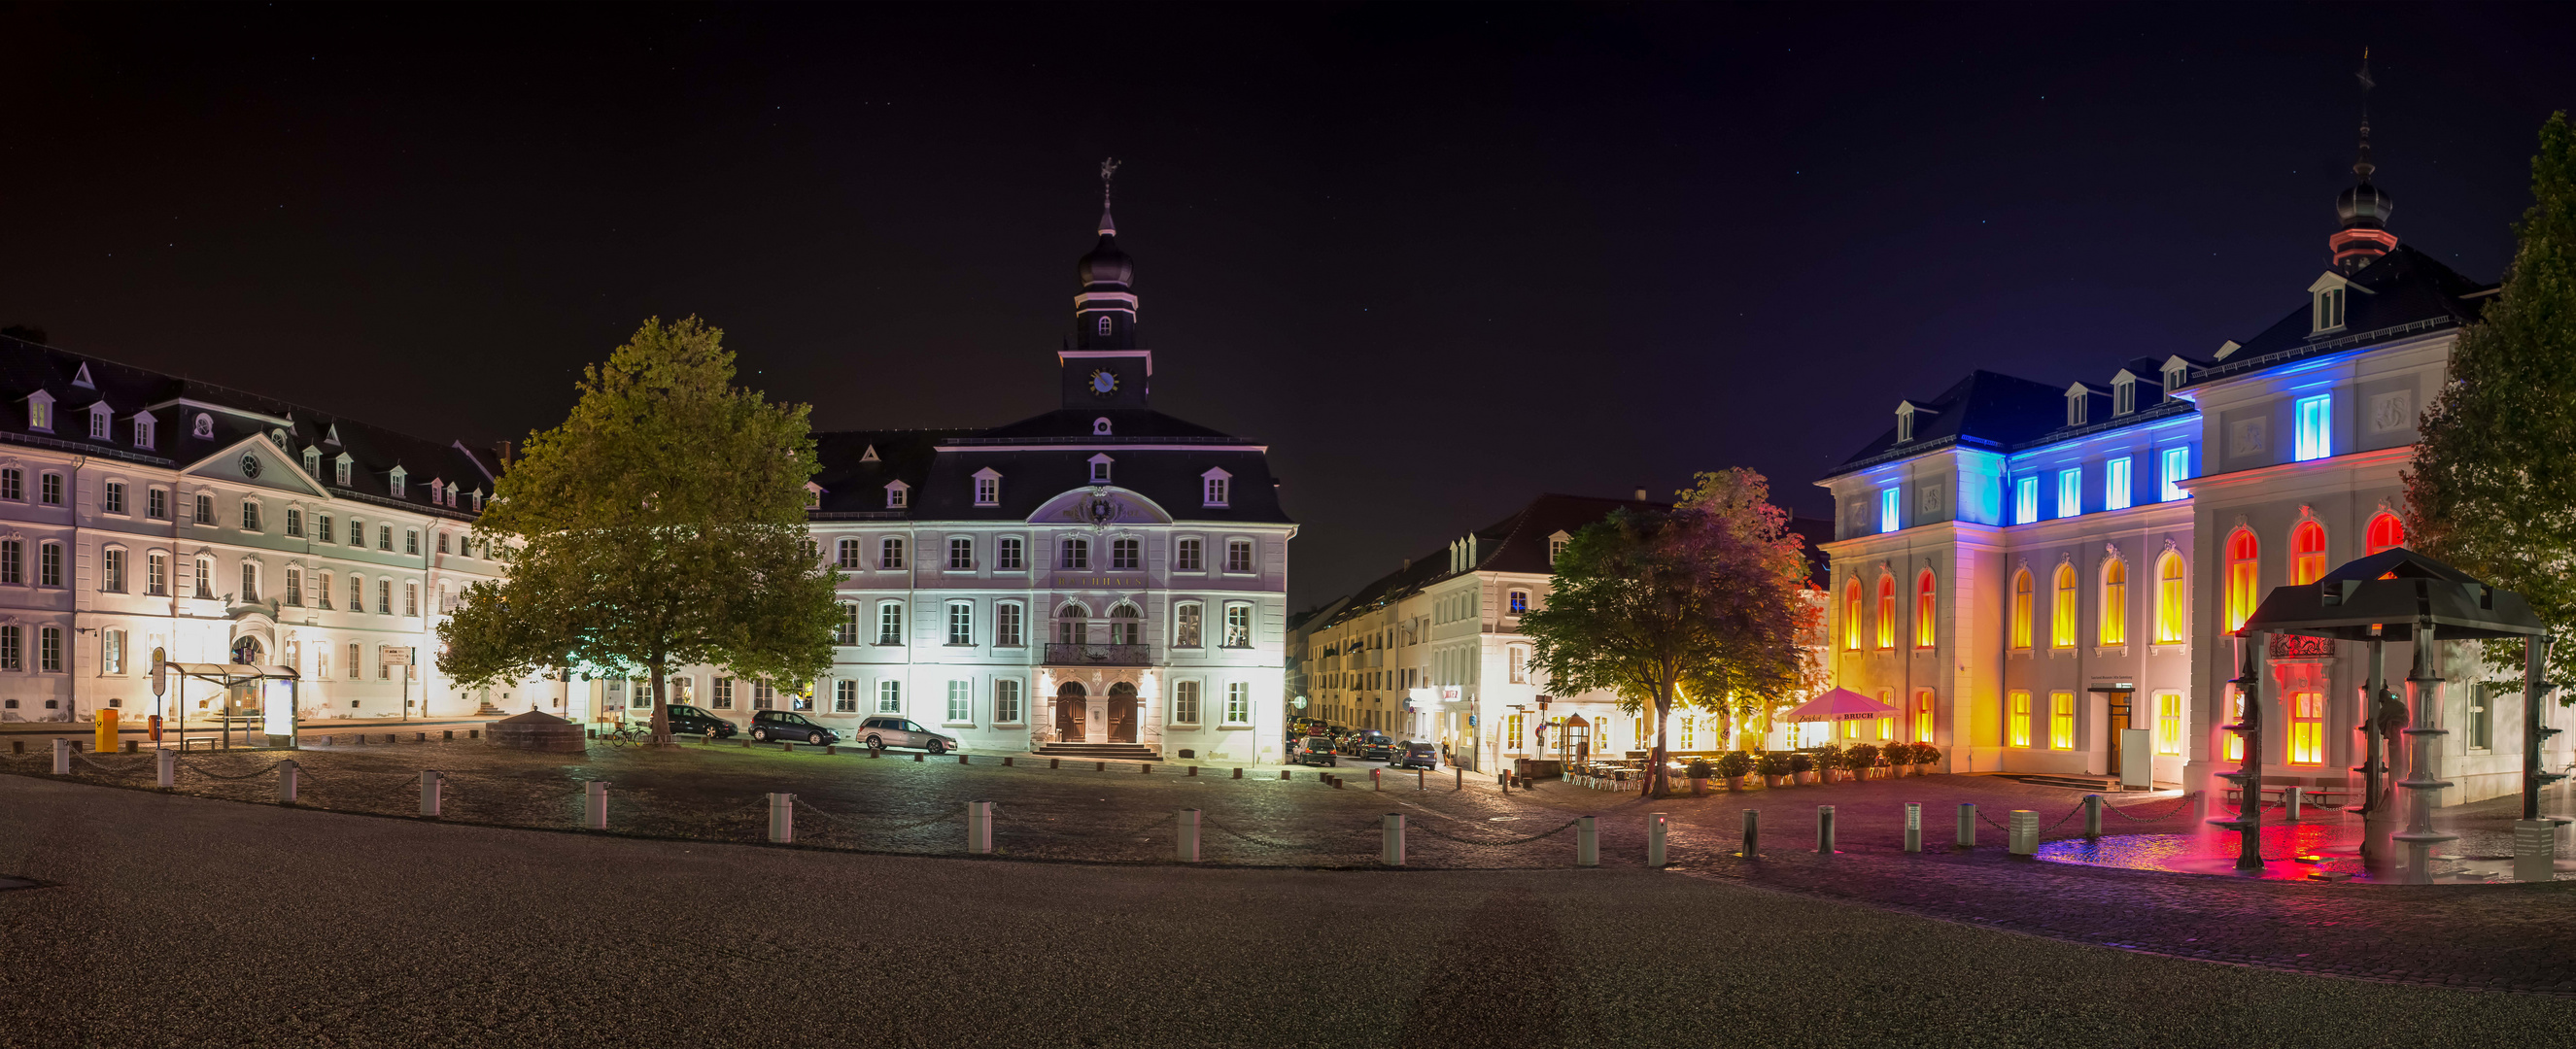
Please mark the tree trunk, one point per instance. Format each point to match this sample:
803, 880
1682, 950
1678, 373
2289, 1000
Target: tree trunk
1658, 782
661, 712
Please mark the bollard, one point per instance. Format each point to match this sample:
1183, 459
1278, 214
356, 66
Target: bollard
1336, 781
420, 737
746, 743
1100, 766
2023, 839
831, 749
916, 759
2093, 816
2199, 806
1967, 824
782, 818
473, 733
1655, 824
168, 762
961, 759
62, 757
786, 748
1238, 772
17, 746
130, 747
286, 771
1194, 770
2535, 849
1286, 773
450, 734
594, 804
979, 828
1391, 851
1752, 834
1458, 777
1376, 782
430, 781
1055, 763
2290, 800
1587, 842
1145, 770
1006, 761
1825, 830
1503, 780
1186, 843
1913, 826
1417, 780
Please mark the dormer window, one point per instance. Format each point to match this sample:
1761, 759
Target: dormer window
2078, 404
1100, 426
396, 478
143, 431
2330, 309
1214, 487
1556, 546
1904, 421
340, 470
1100, 469
100, 418
896, 495
478, 500
40, 411
2330, 297
313, 461
988, 487
2177, 372
278, 437
2124, 394
813, 496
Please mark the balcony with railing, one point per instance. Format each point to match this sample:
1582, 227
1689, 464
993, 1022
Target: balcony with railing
1061, 655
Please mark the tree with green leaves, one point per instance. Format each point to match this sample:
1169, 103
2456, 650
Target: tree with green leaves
1694, 605
2493, 487
662, 525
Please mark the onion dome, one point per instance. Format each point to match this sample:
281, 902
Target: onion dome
1106, 265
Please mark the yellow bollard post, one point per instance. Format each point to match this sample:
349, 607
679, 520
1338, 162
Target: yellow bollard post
106, 731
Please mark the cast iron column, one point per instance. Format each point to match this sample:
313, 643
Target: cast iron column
2248, 776
2423, 782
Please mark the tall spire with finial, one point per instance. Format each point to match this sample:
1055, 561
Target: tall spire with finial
1109, 169
2364, 208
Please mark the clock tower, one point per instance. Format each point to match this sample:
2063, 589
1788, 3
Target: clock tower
1102, 363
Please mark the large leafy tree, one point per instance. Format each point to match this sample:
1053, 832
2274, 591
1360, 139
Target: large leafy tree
2493, 487
1691, 605
662, 525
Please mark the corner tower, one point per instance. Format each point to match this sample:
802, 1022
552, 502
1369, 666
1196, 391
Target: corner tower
2364, 208
1102, 365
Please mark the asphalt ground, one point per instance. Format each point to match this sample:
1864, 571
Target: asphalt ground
172, 920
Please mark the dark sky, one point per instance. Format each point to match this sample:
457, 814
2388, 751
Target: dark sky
1440, 258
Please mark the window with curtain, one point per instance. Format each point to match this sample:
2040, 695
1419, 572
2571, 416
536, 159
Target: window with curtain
2173, 611
2385, 531
1887, 611
2115, 602
2061, 615
1923, 610
2242, 556
2307, 552
2168, 723
2021, 599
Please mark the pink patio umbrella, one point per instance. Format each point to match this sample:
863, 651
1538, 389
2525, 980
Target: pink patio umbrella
1842, 704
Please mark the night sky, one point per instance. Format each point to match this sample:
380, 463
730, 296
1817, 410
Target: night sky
1439, 258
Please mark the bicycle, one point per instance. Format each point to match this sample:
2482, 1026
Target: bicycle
627, 734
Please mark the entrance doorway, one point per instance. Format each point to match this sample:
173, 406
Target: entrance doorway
1122, 713
2118, 701
1070, 709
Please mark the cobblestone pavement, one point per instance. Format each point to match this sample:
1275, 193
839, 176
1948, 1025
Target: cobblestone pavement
183, 921
2505, 937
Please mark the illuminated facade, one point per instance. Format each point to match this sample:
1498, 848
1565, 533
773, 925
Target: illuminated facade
2025, 570
142, 511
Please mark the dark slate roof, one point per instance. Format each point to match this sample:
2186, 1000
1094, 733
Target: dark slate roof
1040, 458
2407, 292
1987, 410
1076, 423
27, 367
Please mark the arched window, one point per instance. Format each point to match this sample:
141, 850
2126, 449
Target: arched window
2386, 531
1126, 625
1851, 616
2173, 612
2307, 553
1071, 625
1887, 611
2061, 615
2021, 609
1923, 592
2115, 602
2242, 556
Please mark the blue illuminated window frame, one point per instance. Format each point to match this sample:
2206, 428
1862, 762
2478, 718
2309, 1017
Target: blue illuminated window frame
1887, 507
2026, 500
2315, 427
2177, 468
2117, 488
2070, 492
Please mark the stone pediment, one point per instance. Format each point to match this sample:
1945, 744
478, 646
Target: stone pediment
259, 462
1100, 506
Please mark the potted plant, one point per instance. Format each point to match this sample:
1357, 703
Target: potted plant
1735, 765
1861, 758
1925, 756
1829, 763
1698, 773
1773, 767
1802, 766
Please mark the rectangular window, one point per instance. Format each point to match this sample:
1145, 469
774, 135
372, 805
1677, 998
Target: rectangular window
1512, 732
205, 578
156, 574
111, 652
1887, 509
2307, 728
801, 699
1077, 553
889, 697
2070, 492
385, 538
295, 522
250, 583
1008, 554
961, 553
1006, 626
1238, 626
988, 491
720, 693
156, 504
205, 509
2018, 722
12, 650
250, 515
111, 497
2313, 438
1185, 555
961, 702
1006, 701
49, 649
50, 487
1238, 555
411, 597
322, 528
845, 697
143, 435
356, 655
1923, 716
384, 597
2481, 717
1123, 555
890, 624
1216, 491
13, 555
13, 483
2026, 500
763, 695
1185, 702
1185, 626
2168, 723
890, 553
411, 541
2061, 721
2175, 470
1238, 704
49, 564
442, 542
2116, 488
112, 571
294, 586
961, 623
846, 554
847, 632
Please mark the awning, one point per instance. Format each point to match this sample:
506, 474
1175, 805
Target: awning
234, 673
1842, 704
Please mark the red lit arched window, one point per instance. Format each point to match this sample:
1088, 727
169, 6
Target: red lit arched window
2242, 557
1923, 591
1887, 611
1851, 616
2307, 552
2386, 531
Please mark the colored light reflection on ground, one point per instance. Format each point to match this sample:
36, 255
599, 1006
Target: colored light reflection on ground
2310, 850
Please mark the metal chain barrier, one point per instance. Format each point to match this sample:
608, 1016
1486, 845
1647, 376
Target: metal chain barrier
114, 770
1428, 828
212, 774
2179, 804
852, 823
1211, 821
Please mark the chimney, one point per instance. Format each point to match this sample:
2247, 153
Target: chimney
1408, 565
501, 453
1641, 493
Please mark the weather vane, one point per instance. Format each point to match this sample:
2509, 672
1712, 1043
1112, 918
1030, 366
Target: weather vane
2366, 82
1108, 168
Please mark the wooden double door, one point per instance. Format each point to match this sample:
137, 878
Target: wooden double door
1121, 712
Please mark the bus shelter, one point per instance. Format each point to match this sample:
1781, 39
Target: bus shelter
261, 695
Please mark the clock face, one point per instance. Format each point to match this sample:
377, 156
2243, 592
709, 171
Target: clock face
250, 466
1103, 383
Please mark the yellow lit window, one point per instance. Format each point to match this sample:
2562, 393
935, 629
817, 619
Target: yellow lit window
2242, 557
1851, 616
2020, 720
2307, 728
2061, 616
2173, 613
1923, 716
2061, 721
2021, 609
2307, 553
2115, 602
2168, 723
1887, 611
1690, 732
1923, 593
1512, 732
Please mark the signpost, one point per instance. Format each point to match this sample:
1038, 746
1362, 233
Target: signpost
161, 685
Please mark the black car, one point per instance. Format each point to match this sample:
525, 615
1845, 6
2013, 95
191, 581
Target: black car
789, 726
1317, 750
1370, 744
687, 720
1418, 756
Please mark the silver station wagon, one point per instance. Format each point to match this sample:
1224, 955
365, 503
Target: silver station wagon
900, 732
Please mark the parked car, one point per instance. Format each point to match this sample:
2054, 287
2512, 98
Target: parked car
1318, 750
899, 732
687, 720
1419, 756
789, 726
1369, 743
